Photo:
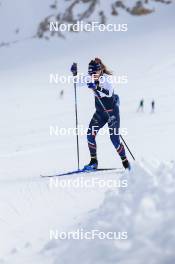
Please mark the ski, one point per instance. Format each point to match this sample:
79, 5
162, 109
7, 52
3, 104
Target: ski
81, 171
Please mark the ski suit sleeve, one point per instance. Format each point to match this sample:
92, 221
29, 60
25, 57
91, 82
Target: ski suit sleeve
105, 87
102, 90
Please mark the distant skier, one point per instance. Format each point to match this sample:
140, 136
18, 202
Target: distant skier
104, 93
61, 94
152, 106
141, 106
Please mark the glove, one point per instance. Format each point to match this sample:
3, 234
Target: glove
92, 86
74, 69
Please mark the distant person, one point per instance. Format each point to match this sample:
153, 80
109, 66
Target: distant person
141, 106
152, 106
61, 94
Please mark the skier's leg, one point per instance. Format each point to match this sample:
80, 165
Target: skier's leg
96, 123
114, 126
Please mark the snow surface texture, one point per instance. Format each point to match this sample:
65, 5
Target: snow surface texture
145, 209
29, 208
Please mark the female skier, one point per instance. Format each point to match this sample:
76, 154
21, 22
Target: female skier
107, 111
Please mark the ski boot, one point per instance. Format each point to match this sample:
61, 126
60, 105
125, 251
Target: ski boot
93, 165
126, 164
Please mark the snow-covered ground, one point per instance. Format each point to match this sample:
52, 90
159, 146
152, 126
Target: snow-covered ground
29, 206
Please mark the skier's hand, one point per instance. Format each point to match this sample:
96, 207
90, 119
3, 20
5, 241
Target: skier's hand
92, 86
74, 69
95, 76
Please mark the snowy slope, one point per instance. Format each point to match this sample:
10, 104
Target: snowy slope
29, 208
145, 209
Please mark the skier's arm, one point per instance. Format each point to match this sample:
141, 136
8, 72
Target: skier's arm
106, 88
102, 90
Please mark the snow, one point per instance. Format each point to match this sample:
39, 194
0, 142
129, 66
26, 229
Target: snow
145, 209
29, 105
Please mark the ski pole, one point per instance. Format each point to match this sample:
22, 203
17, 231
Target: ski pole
127, 147
76, 116
96, 93
76, 119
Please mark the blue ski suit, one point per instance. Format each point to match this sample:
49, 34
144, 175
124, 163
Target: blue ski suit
107, 111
